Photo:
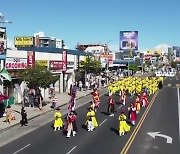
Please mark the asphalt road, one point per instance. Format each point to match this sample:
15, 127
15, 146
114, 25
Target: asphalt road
161, 116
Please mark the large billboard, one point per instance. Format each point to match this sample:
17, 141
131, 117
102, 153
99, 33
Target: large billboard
128, 40
3, 43
27, 41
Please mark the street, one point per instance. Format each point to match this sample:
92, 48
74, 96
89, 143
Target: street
162, 115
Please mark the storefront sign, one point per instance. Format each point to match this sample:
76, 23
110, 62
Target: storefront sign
16, 63
55, 65
42, 62
64, 60
24, 41
107, 57
30, 59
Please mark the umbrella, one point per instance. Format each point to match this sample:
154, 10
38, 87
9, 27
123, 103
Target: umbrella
3, 97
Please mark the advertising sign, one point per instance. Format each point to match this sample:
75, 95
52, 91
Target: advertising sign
42, 63
16, 63
107, 58
64, 60
3, 43
30, 59
128, 40
55, 65
27, 41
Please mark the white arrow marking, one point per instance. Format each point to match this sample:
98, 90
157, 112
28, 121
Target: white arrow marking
154, 134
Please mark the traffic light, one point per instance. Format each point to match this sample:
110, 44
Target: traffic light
63, 45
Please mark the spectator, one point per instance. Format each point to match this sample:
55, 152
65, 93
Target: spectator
80, 85
31, 97
9, 112
24, 117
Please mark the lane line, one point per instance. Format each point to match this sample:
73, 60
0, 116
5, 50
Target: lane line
71, 150
22, 148
102, 122
134, 133
120, 107
179, 111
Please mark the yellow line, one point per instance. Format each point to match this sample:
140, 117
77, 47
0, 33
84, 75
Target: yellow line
133, 135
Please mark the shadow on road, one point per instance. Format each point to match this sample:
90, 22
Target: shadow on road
114, 130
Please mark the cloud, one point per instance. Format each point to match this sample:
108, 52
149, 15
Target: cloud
10, 44
40, 33
162, 47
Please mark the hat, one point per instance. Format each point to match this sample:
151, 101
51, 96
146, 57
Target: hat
58, 108
122, 111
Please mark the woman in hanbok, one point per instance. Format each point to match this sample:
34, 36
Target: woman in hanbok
91, 122
71, 124
58, 123
123, 126
132, 113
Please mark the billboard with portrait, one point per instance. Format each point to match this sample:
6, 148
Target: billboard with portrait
3, 43
128, 40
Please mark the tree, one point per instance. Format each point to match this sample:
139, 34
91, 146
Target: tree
38, 76
173, 64
133, 67
91, 65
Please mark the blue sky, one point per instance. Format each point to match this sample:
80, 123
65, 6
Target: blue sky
95, 21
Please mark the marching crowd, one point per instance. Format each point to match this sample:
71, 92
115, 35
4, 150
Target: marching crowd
140, 88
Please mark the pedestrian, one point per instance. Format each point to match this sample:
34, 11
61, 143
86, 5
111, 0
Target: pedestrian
24, 121
91, 122
54, 101
71, 124
111, 108
31, 97
123, 126
58, 123
80, 85
9, 113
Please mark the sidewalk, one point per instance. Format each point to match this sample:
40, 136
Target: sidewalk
63, 99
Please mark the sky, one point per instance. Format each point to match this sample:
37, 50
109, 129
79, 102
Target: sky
95, 21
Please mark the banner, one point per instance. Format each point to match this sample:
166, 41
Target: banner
4, 73
16, 63
27, 41
55, 65
64, 60
3, 43
128, 40
18, 88
30, 59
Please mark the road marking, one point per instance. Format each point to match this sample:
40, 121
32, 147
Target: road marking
169, 85
22, 149
154, 134
178, 110
102, 122
133, 135
120, 107
71, 150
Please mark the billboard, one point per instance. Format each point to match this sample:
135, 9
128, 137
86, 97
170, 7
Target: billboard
27, 41
3, 43
16, 63
128, 40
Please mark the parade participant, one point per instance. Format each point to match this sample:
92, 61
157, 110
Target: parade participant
71, 124
111, 108
96, 98
123, 126
132, 113
58, 123
91, 122
123, 98
93, 106
72, 104
138, 104
144, 100
54, 101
